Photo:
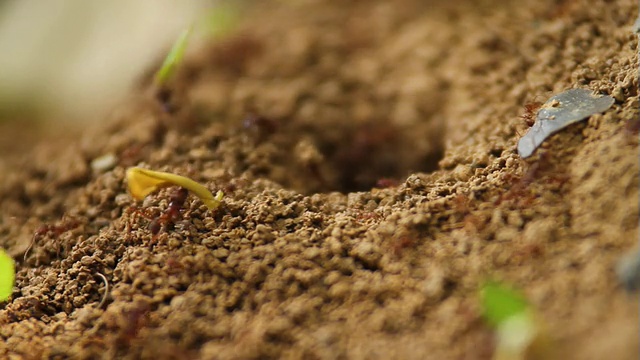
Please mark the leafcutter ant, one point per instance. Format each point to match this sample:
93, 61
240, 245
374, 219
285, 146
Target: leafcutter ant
167, 219
53, 231
172, 214
530, 112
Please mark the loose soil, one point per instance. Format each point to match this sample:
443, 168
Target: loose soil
367, 153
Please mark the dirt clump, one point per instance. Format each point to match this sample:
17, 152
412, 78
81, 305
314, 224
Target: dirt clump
372, 184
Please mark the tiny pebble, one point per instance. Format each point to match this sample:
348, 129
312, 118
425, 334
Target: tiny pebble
104, 162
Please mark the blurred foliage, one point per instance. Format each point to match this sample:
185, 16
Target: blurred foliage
7, 275
520, 333
500, 302
173, 59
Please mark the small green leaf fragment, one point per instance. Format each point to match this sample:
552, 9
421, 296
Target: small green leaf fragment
173, 59
500, 302
520, 332
7, 275
628, 270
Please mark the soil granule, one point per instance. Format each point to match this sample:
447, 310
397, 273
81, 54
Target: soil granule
367, 150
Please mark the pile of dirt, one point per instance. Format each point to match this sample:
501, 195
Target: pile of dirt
367, 153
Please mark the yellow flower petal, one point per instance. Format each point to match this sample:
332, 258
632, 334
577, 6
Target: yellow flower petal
143, 182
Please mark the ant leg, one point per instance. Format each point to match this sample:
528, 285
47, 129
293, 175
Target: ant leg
40, 231
26, 252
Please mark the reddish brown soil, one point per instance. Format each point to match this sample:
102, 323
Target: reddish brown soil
367, 153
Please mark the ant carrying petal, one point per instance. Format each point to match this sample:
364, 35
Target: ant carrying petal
143, 182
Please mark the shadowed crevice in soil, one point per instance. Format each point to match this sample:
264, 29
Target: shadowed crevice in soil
361, 157
334, 154
377, 154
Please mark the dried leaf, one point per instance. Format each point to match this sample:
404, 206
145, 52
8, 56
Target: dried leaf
559, 112
628, 270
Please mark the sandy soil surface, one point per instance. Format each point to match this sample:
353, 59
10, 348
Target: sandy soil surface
367, 153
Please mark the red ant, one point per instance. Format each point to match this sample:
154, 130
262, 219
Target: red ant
526, 251
473, 223
314, 169
403, 241
530, 112
132, 322
174, 264
368, 141
543, 170
461, 204
164, 97
259, 126
51, 230
262, 123
632, 127
400, 243
365, 216
384, 183
172, 214
235, 54
131, 155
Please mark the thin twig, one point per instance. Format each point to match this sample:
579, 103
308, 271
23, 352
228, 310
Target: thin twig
106, 290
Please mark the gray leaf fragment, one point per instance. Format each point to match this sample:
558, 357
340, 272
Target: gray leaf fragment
559, 111
636, 25
628, 270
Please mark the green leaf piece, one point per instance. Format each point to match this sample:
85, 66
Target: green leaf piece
7, 275
499, 303
173, 59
